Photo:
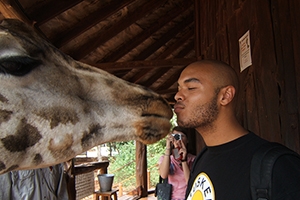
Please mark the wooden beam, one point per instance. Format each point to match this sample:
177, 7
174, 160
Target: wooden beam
173, 78
176, 45
45, 12
144, 64
170, 81
138, 76
164, 39
185, 50
165, 54
12, 9
92, 167
88, 22
128, 46
102, 37
158, 74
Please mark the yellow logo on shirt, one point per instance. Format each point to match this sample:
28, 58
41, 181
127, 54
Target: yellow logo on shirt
202, 188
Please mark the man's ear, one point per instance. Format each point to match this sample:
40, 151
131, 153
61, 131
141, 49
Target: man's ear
226, 95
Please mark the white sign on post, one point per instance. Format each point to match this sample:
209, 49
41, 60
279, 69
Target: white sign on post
245, 51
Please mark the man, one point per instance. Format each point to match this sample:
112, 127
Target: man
206, 101
44, 183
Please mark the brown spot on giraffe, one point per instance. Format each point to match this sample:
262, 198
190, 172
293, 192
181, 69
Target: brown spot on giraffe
5, 115
2, 166
94, 132
58, 115
3, 99
37, 159
61, 150
25, 136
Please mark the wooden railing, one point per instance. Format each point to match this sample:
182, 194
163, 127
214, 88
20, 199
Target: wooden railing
77, 167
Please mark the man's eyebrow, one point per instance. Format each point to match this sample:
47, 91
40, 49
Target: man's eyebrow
191, 80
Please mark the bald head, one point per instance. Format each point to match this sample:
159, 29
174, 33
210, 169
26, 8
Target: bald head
219, 72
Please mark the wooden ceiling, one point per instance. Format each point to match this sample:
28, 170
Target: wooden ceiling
147, 42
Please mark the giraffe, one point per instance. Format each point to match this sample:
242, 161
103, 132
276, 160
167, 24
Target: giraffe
53, 108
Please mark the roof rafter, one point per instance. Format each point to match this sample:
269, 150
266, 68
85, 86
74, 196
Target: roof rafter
13, 9
114, 30
143, 64
166, 53
89, 22
164, 39
50, 10
128, 46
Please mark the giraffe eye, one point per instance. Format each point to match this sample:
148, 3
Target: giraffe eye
18, 65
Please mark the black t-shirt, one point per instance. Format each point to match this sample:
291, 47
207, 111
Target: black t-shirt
223, 172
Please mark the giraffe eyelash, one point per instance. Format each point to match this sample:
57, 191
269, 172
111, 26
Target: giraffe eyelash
18, 65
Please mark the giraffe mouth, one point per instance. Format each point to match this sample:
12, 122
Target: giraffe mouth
159, 110
153, 115
165, 116
154, 127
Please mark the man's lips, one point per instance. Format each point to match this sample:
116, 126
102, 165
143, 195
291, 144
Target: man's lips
178, 107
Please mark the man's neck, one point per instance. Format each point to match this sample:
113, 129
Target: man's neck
217, 135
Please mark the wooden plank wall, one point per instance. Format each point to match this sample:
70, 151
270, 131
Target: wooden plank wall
269, 101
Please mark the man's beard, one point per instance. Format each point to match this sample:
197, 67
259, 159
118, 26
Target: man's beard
202, 116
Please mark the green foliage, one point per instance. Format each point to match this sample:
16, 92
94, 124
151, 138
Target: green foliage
154, 152
123, 164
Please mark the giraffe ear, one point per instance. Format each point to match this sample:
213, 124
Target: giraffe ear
226, 95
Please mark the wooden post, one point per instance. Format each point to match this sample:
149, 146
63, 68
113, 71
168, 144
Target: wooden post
70, 178
120, 189
148, 179
141, 168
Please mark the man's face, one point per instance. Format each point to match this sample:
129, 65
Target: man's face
196, 98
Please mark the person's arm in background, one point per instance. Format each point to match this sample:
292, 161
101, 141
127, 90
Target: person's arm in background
164, 166
185, 166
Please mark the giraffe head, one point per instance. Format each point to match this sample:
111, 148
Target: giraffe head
53, 107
